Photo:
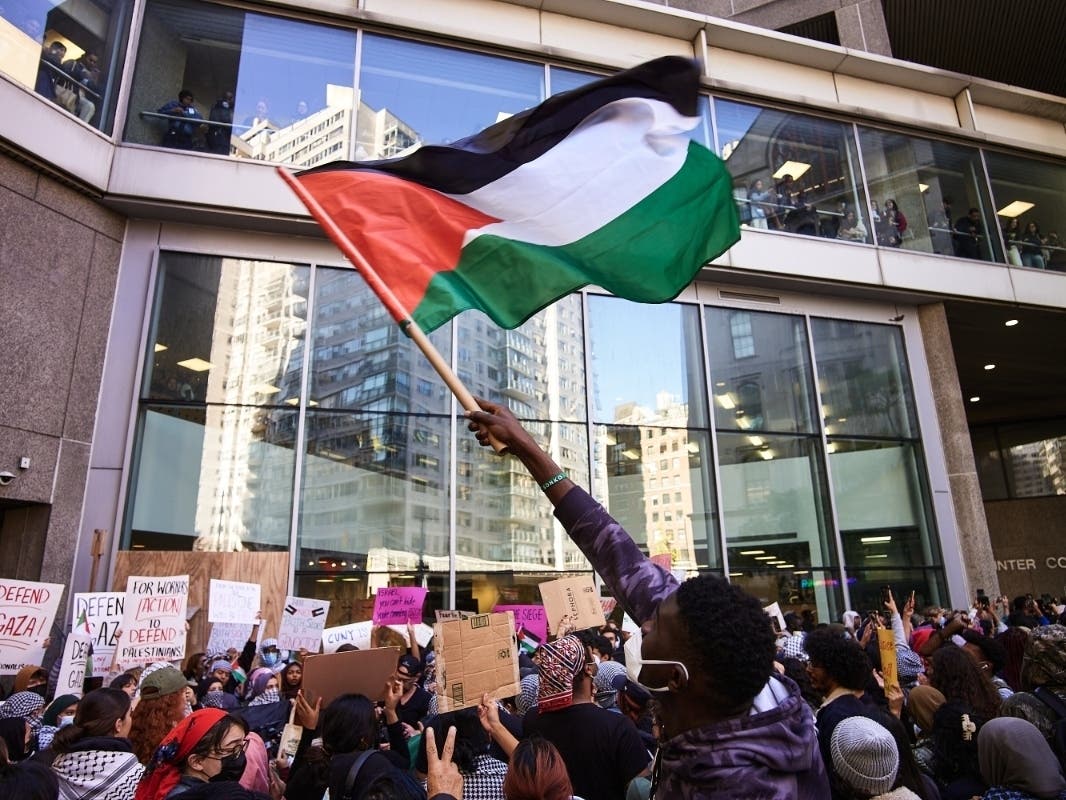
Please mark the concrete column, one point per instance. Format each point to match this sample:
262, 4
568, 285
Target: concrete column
979, 563
861, 25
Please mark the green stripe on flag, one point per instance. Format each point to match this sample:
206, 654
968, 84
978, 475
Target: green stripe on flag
648, 254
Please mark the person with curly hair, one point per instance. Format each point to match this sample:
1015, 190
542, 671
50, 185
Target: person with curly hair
161, 707
990, 657
958, 678
94, 759
731, 727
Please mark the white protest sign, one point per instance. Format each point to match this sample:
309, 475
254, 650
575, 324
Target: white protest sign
302, 621
423, 633
153, 622
773, 611
232, 601
225, 635
100, 615
358, 634
27, 610
75, 659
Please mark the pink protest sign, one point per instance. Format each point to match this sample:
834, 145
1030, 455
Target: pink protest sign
397, 605
531, 618
663, 560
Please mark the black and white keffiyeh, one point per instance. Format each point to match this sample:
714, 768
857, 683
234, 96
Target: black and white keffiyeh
97, 775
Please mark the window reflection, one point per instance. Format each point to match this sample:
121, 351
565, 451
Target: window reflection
647, 363
928, 195
659, 486
218, 478
228, 331
792, 172
230, 82
760, 371
927, 585
70, 54
863, 379
413, 93
1021, 460
813, 591
1031, 209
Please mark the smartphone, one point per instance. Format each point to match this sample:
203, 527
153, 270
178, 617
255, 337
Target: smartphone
886, 592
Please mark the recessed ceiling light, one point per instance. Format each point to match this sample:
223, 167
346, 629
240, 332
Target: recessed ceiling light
990, 366
923, 187
1010, 323
159, 348
766, 558
752, 552
794, 168
975, 399
873, 539
785, 566
1015, 209
802, 572
195, 364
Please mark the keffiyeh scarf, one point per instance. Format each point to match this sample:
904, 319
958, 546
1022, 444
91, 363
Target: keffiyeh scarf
560, 662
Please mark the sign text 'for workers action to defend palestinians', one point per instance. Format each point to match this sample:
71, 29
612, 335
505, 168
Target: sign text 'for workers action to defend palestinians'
27, 610
153, 622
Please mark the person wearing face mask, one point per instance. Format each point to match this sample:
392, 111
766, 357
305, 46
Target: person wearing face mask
269, 655
93, 757
263, 688
731, 727
32, 678
59, 714
202, 757
26, 706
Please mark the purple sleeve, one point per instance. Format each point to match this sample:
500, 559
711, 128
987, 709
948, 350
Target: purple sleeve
637, 583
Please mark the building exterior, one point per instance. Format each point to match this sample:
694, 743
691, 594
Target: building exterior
191, 366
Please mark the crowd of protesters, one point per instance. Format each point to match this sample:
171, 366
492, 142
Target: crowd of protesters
706, 700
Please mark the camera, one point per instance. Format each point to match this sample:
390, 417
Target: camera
6, 477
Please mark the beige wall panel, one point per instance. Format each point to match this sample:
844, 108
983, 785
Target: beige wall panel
622, 46
887, 99
269, 570
477, 18
1039, 288
949, 276
1029, 541
1044, 133
267, 247
775, 78
805, 256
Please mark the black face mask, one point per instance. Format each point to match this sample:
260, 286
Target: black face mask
231, 768
41, 690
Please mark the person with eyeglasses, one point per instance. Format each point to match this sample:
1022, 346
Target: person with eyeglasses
202, 757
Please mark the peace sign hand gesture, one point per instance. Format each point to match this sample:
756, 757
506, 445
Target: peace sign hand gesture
442, 776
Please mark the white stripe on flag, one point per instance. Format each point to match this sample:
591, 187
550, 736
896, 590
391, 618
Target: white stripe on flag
614, 159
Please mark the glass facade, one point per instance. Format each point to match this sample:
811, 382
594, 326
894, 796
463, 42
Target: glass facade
282, 410
1031, 205
1025, 459
69, 53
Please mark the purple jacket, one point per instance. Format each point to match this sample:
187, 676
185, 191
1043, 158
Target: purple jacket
771, 753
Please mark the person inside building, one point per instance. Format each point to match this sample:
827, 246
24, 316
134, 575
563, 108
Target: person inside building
968, 234
84, 75
182, 131
93, 756
731, 727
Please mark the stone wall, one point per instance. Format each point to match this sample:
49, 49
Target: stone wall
1029, 541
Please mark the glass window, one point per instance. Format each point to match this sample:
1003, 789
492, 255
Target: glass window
863, 379
536, 369
1035, 458
563, 80
360, 357
989, 461
351, 594
226, 81
939, 197
227, 330
927, 584
218, 478
681, 523
816, 591
1030, 199
792, 172
881, 504
647, 363
70, 53
760, 371
775, 497
413, 93
373, 495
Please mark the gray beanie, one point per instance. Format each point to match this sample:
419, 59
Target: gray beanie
865, 755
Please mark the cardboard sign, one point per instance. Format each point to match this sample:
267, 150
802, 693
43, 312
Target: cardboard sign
226, 635
572, 603
886, 644
102, 615
475, 656
398, 605
27, 610
777, 619
75, 661
355, 672
528, 618
302, 621
232, 601
153, 622
358, 634
446, 614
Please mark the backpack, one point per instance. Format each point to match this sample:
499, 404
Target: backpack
401, 779
1058, 727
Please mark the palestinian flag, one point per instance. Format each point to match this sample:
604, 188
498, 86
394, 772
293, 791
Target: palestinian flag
599, 185
528, 641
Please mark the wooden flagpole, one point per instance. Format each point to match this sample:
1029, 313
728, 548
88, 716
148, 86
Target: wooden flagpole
384, 293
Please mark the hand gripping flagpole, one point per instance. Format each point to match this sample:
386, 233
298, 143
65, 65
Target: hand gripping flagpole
385, 295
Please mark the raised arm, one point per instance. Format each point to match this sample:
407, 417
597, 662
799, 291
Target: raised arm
637, 583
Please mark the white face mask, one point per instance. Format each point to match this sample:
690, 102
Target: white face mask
64, 721
634, 662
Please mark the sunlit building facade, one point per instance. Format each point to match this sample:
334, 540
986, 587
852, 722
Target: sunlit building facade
799, 419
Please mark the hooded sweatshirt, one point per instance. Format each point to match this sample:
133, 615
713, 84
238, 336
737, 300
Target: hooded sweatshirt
770, 753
